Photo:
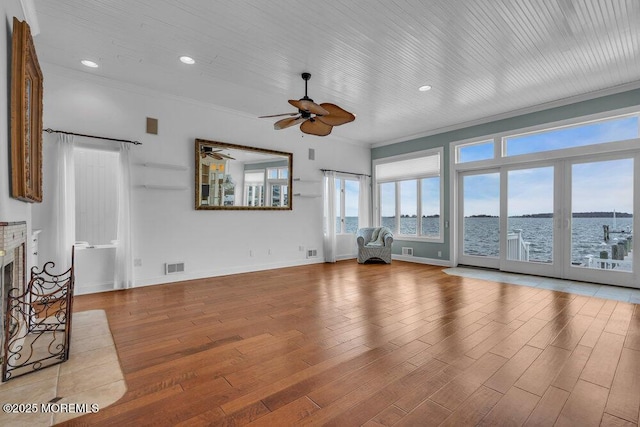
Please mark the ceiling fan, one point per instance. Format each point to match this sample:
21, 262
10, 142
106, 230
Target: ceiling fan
208, 151
315, 119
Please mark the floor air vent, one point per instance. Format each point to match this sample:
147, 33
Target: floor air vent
407, 251
174, 268
312, 253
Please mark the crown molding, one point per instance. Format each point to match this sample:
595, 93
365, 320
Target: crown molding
519, 112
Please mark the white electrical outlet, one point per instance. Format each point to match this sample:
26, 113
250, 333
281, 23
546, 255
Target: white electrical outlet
440, 254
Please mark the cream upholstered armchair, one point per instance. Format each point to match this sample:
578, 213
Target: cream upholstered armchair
374, 243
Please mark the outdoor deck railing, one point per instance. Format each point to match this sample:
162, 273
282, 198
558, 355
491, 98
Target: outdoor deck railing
517, 248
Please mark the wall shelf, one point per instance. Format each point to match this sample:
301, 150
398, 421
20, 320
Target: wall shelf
306, 181
308, 190
163, 187
163, 166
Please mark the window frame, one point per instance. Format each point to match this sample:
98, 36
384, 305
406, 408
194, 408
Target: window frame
500, 160
341, 208
418, 178
500, 140
104, 150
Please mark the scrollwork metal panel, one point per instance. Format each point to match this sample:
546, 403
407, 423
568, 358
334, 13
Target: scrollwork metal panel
38, 322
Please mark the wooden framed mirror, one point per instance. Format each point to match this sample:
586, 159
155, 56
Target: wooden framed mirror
230, 176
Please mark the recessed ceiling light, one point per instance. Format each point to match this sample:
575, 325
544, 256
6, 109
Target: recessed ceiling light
88, 63
424, 88
187, 60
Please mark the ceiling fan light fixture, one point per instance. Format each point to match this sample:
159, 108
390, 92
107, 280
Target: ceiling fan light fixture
424, 88
89, 63
314, 119
187, 60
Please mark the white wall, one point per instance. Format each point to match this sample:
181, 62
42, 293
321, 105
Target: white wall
167, 227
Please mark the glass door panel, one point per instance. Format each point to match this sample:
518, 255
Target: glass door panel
530, 242
480, 219
530, 215
602, 209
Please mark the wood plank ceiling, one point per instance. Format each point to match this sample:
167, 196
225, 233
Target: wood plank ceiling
484, 58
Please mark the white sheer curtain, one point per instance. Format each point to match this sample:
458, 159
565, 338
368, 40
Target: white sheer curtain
123, 275
364, 201
64, 196
329, 216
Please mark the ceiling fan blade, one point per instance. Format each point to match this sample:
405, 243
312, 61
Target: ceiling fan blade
337, 116
316, 127
308, 106
279, 115
285, 123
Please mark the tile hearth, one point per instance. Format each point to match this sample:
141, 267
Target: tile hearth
92, 375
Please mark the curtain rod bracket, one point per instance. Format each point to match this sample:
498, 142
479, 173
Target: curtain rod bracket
49, 130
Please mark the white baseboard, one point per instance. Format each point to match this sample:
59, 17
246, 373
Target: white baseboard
84, 289
182, 277
421, 260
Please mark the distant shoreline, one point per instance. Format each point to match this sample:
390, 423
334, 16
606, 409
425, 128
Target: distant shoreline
575, 215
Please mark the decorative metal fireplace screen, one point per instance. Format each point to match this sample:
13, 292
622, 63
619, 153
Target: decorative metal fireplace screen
37, 325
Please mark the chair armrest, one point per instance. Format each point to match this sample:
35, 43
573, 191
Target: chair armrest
388, 240
360, 241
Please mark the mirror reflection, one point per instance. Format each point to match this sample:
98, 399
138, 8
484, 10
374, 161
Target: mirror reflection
230, 176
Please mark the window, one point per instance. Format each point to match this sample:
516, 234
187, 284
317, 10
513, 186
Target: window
609, 130
254, 188
275, 187
347, 199
278, 173
388, 205
409, 194
475, 151
278, 186
96, 195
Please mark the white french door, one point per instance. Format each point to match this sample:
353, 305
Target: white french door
532, 207
550, 218
606, 183
479, 218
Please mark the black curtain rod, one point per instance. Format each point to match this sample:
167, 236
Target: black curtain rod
348, 173
49, 130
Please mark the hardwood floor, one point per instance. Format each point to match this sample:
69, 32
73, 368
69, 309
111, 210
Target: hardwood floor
375, 345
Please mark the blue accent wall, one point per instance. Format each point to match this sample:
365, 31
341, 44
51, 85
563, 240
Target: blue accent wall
583, 108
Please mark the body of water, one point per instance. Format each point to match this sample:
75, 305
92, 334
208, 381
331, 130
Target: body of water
587, 236
481, 236
430, 226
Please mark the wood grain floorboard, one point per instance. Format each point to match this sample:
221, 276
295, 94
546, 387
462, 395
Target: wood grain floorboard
346, 344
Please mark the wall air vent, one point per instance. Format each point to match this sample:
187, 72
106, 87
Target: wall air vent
174, 268
407, 251
312, 253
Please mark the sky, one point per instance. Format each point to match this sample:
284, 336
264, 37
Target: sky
430, 197
595, 186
